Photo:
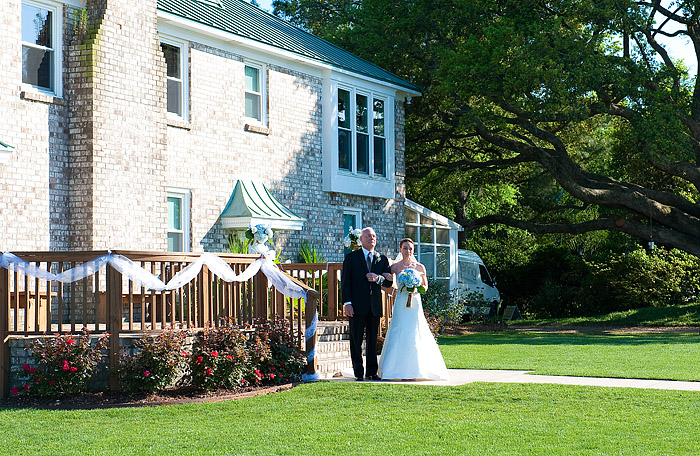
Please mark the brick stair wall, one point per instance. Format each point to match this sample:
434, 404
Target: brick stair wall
333, 348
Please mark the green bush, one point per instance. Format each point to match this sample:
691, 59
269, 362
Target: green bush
219, 359
155, 364
64, 364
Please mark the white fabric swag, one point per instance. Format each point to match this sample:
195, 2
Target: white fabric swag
138, 275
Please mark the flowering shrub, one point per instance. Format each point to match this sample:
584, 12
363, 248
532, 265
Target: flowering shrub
156, 363
64, 364
286, 361
219, 359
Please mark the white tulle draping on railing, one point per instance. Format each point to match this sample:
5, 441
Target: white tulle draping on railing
140, 276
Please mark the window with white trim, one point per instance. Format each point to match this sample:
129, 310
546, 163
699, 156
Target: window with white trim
255, 105
432, 243
41, 45
361, 137
178, 201
175, 54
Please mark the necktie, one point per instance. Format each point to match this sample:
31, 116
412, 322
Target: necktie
369, 262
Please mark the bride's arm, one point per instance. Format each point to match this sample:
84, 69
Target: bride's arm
424, 275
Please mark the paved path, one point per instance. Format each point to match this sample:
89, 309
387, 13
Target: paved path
464, 376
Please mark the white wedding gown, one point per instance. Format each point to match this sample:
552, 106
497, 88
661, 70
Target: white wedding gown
410, 351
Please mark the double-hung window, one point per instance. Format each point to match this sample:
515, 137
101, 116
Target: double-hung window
361, 137
178, 201
254, 76
175, 53
41, 46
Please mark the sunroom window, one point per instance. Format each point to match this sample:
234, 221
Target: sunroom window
432, 243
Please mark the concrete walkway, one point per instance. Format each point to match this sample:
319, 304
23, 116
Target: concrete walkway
464, 376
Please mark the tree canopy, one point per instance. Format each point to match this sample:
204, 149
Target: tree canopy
570, 114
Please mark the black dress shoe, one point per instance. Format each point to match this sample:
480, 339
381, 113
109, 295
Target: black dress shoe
358, 379
374, 377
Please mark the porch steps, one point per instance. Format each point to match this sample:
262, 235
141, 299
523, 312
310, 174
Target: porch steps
333, 348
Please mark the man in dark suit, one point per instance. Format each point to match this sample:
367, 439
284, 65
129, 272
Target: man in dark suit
364, 273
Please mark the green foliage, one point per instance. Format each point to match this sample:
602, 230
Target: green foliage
441, 304
237, 244
308, 253
229, 357
64, 364
155, 363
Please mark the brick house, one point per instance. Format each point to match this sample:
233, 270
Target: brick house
129, 125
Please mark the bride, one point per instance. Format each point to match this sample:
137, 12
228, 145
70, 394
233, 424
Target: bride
410, 351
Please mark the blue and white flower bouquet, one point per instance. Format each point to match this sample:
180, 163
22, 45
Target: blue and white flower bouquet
411, 280
352, 240
260, 235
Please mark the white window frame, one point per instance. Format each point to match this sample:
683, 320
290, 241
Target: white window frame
56, 10
185, 195
183, 46
262, 84
351, 181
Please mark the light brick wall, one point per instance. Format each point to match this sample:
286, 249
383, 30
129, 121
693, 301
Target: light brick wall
91, 171
33, 179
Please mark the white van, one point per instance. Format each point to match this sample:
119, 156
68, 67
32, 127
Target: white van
473, 277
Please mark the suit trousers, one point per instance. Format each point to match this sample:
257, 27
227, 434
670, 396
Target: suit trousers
359, 325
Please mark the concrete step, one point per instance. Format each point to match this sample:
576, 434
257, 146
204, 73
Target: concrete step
333, 348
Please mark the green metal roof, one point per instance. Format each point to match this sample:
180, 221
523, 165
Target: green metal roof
4, 147
243, 19
251, 203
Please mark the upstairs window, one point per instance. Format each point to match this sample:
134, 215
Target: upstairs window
361, 137
254, 96
40, 38
175, 54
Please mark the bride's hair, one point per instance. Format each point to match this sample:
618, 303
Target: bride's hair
406, 240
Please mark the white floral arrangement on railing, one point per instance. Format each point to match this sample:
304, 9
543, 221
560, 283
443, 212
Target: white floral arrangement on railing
352, 240
260, 236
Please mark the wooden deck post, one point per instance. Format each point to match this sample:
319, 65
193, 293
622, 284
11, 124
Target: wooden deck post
114, 322
4, 328
260, 295
311, 318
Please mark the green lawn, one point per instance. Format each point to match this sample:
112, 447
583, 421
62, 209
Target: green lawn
667, 356
342, 418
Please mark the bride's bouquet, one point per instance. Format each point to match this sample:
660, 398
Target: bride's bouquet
411, 280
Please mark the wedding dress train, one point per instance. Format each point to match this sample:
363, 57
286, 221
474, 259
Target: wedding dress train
410, 351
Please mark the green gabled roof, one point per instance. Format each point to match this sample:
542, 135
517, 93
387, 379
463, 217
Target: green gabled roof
243, 19
6, 147
251, 203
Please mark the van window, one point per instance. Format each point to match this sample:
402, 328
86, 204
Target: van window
485, 277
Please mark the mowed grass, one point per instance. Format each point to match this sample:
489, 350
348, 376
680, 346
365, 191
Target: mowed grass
668, 356
347, 418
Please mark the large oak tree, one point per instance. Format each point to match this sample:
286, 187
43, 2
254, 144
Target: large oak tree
580, 92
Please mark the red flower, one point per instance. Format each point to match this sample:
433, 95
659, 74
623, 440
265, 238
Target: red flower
37, 380
32, 370
73, 370
184, 353
51, 382
14, 391
66, 367
272, 368
209, 371
272, 375
69, 341
229, 357
65, 361
26, 387
214, 353
25, 367
199, 359
146, 373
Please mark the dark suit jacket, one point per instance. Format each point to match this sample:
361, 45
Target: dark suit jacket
354, 285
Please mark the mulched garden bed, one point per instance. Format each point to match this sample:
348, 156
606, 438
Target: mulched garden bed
108, 399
